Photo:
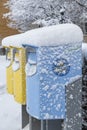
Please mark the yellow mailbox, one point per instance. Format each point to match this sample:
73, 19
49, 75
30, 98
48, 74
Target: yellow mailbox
19, 61
9, 71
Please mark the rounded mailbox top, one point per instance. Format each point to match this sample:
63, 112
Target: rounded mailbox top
46, 36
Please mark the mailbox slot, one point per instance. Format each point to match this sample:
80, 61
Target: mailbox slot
31, 65
16, 63
8, 57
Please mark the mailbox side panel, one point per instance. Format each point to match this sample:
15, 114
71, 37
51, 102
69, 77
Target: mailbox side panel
66, 59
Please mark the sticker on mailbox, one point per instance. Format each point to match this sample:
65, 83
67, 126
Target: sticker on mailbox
61, 67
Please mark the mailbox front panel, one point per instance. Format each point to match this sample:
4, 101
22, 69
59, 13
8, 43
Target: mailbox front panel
32, 83
19, 76
56, 67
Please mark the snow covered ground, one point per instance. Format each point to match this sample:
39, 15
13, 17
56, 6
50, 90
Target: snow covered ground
10, 111
2, 71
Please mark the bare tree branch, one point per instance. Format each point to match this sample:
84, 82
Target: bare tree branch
82, 5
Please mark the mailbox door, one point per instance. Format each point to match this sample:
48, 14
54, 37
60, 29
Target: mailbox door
19, 76
32, 83
9, 72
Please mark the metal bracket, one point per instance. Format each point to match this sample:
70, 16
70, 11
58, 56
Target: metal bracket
35, 124
25, 116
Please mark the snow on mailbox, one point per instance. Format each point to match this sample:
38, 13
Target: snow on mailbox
53, 60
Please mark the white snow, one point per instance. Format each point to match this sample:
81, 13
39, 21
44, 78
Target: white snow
62, 10
2, 71
46, 87
71, 96
15, 66
58, 106
30, 69
10, 114
8, 63
46, 36
73, 79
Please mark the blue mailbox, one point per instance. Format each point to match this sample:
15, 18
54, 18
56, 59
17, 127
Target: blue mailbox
48, 70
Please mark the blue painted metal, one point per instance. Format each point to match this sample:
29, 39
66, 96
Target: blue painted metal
46, 92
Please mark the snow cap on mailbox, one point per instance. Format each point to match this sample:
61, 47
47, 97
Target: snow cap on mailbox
46, 36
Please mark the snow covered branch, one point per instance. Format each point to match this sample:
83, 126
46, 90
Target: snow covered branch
81, 4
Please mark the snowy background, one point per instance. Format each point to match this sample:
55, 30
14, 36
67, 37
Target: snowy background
24, 15
10, 111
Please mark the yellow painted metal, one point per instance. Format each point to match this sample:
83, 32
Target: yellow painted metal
19, 76
9, 71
